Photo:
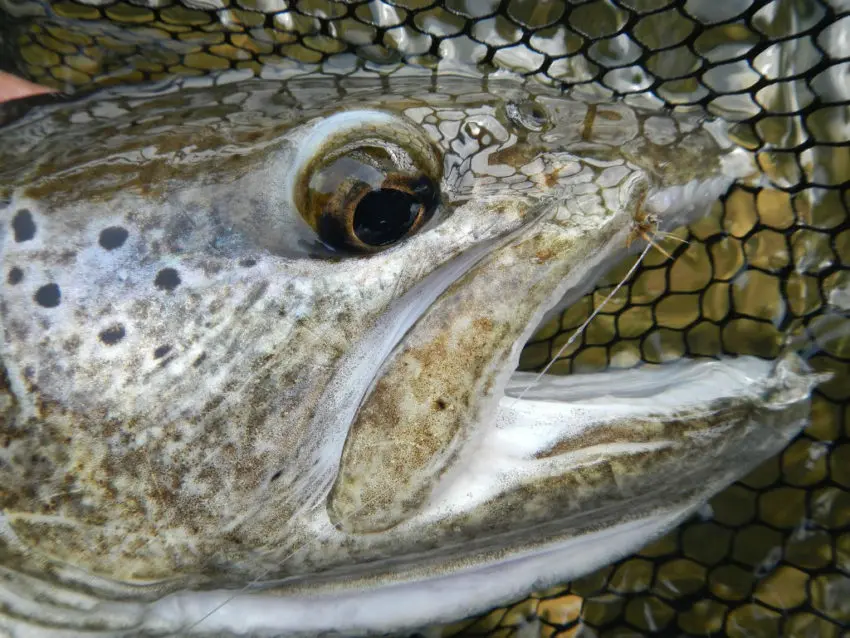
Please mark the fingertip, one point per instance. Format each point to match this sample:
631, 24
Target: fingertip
13, 87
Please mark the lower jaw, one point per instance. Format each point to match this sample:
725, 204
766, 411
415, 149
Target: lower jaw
502, 553
766, 405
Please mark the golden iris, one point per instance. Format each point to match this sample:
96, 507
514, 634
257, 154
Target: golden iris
369, 193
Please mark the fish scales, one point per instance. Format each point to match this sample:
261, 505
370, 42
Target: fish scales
224, 311
738, 333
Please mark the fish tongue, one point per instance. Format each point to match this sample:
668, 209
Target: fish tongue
445, 377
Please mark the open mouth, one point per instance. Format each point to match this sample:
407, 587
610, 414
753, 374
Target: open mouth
557, 476
445, 428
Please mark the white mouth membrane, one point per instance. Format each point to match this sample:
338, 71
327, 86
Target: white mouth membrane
554, 409
522, 442
531, 418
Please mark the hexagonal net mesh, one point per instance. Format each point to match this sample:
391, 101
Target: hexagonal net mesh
768, 269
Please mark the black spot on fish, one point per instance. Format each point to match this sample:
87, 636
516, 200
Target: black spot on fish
247, 263
15, 275
23, 225
161, 351
167, 279
113, 237
112, 335
48, 296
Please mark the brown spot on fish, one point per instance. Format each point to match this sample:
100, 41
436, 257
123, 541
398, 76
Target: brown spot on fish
440, 404
544, 255
483, 324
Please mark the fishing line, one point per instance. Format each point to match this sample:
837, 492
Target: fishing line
592, 316
259, 579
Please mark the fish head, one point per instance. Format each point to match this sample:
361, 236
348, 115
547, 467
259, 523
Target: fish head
248, 324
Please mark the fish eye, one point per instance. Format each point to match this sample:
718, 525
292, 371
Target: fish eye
368, 186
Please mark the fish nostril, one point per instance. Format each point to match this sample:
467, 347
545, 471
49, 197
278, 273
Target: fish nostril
528, 115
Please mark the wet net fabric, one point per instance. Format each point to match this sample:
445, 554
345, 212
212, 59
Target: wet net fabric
769, 269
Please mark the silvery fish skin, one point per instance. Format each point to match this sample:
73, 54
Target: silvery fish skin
213, 424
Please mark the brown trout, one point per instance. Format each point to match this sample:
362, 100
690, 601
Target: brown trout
260, 337
259, 353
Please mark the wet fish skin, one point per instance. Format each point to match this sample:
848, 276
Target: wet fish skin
144, 445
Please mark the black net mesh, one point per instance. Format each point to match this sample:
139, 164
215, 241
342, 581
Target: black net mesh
769, 268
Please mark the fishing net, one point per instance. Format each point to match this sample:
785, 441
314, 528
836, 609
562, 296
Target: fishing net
767, 270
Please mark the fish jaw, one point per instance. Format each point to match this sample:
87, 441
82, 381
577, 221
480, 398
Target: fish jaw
475, 516
752, 408
440, 385
437, 392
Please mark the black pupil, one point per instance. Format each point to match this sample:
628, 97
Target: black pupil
385, 215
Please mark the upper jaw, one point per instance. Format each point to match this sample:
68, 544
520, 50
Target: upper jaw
436, 391
437, 394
